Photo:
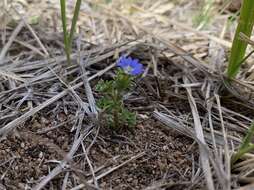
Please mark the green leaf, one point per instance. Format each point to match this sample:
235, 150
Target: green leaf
104, 86
122, 81
106, 103
127, 117
245, 147
239, 46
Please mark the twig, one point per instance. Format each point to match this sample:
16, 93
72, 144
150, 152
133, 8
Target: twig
199, 132
81, 186
90, 166
87, 86
61, 167
11, 40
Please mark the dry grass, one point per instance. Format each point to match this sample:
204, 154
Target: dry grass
184, 85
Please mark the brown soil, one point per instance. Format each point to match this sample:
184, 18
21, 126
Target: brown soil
168, 157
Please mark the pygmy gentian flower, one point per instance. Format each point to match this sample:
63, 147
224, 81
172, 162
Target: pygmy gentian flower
130, 66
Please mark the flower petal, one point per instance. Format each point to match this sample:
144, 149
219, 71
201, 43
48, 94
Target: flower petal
138, 70
129, 61
130, 66
122, 62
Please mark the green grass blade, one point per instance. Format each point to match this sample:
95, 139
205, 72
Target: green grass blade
246, 145
248, 137
64, 24
203, 18
245, 26
74, 20
241, 153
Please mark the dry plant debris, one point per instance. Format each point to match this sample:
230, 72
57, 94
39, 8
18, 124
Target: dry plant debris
189, 118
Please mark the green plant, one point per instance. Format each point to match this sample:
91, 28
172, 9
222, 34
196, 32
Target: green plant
239, 46
68, 36
113, 92
205, 14
245, 147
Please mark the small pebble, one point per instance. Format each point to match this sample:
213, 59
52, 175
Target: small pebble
22, 186
45, 168
129, 179
41, 155
22, 145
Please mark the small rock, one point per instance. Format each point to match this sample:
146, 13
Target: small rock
129, 179
40, 154
44, 167
22, 145
22, 186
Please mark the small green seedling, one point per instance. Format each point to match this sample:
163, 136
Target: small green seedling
114, 90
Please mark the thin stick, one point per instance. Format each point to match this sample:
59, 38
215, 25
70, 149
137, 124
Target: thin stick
81, 186
199, 132
11, 40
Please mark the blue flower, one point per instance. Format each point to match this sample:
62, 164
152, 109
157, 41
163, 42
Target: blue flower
130, 66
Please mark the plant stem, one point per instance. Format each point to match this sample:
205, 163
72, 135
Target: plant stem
74, 20
116, 119
239, 46
66, 41
69, 37
116, 109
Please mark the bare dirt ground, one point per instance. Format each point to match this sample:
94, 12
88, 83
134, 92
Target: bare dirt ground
166, 157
